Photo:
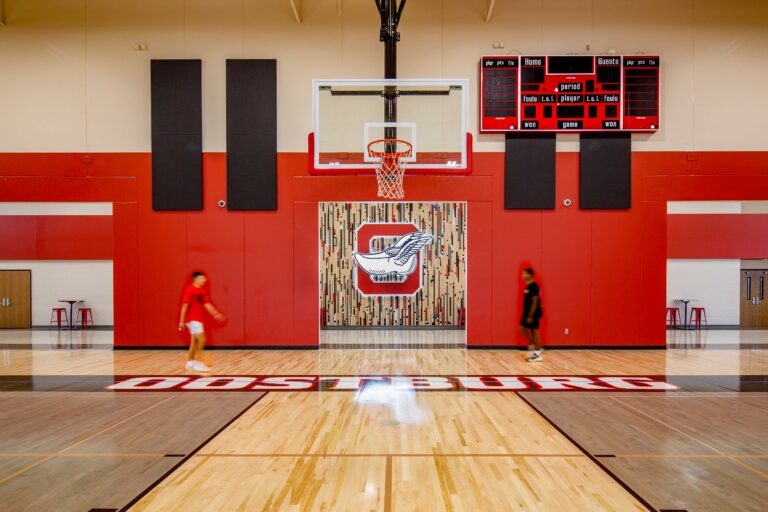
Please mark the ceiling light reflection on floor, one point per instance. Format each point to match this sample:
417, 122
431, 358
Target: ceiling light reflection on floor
399, 397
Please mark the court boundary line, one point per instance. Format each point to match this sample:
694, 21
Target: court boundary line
388, 486
725, 455
110, 427
192, 453
405, 455
666, 425
148, 455
45, 459
157, 455
594, 459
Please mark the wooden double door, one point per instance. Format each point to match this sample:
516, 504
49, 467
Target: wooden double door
15, 299
754, 307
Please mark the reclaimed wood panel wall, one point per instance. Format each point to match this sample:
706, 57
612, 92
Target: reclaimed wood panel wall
442, 297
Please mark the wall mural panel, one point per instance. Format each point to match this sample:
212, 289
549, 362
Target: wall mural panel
440, 251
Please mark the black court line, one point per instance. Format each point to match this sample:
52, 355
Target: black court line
423, 346
717, 346
591, 457
188, 456
54, 346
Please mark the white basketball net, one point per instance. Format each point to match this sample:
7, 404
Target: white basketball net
389, 155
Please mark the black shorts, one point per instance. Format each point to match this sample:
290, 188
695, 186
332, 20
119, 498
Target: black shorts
530, 325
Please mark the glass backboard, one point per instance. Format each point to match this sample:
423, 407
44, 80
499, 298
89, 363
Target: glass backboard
429, 114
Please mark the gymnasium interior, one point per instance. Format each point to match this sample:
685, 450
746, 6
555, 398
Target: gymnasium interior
383, 255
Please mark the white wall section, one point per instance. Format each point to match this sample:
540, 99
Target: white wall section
703, 207
12, 208
716, 207
53, 280
715, 283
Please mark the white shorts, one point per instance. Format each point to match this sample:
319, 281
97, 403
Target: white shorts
195, 327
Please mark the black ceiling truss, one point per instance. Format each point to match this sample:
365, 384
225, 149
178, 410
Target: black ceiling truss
390, 12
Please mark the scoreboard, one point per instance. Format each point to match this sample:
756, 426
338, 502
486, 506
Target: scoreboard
569, 93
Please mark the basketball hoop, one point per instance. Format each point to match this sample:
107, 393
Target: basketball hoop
389, 158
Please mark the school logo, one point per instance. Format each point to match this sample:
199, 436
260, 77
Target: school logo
388, 258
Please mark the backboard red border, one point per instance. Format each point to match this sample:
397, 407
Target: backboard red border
458, 171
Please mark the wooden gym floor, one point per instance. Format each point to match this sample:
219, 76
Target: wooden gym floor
68, 443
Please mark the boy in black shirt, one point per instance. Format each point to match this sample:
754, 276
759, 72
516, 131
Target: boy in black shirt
529, 323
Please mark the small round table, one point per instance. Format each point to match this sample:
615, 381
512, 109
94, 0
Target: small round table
71, 303
685, 302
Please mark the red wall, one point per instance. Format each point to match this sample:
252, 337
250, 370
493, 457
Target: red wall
602, 272
56, 237
717, 236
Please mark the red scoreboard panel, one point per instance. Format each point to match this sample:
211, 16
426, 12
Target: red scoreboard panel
569, 93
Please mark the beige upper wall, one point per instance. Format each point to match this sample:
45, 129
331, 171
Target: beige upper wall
70, 79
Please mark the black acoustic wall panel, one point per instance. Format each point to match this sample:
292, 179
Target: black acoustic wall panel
605, 171
529, 171
252, 134
177, 135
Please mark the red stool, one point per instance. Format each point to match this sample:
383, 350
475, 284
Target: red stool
58, 313
84, 315
699, 314
673, 316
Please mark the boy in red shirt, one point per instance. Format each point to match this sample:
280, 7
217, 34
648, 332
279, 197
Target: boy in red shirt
194, 304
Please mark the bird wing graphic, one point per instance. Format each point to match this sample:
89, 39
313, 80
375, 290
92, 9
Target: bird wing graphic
394, 249
414, 243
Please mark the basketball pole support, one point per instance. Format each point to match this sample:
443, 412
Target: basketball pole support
390, 12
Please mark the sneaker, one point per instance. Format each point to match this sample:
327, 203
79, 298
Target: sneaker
535, 357
200, 366
191, 365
